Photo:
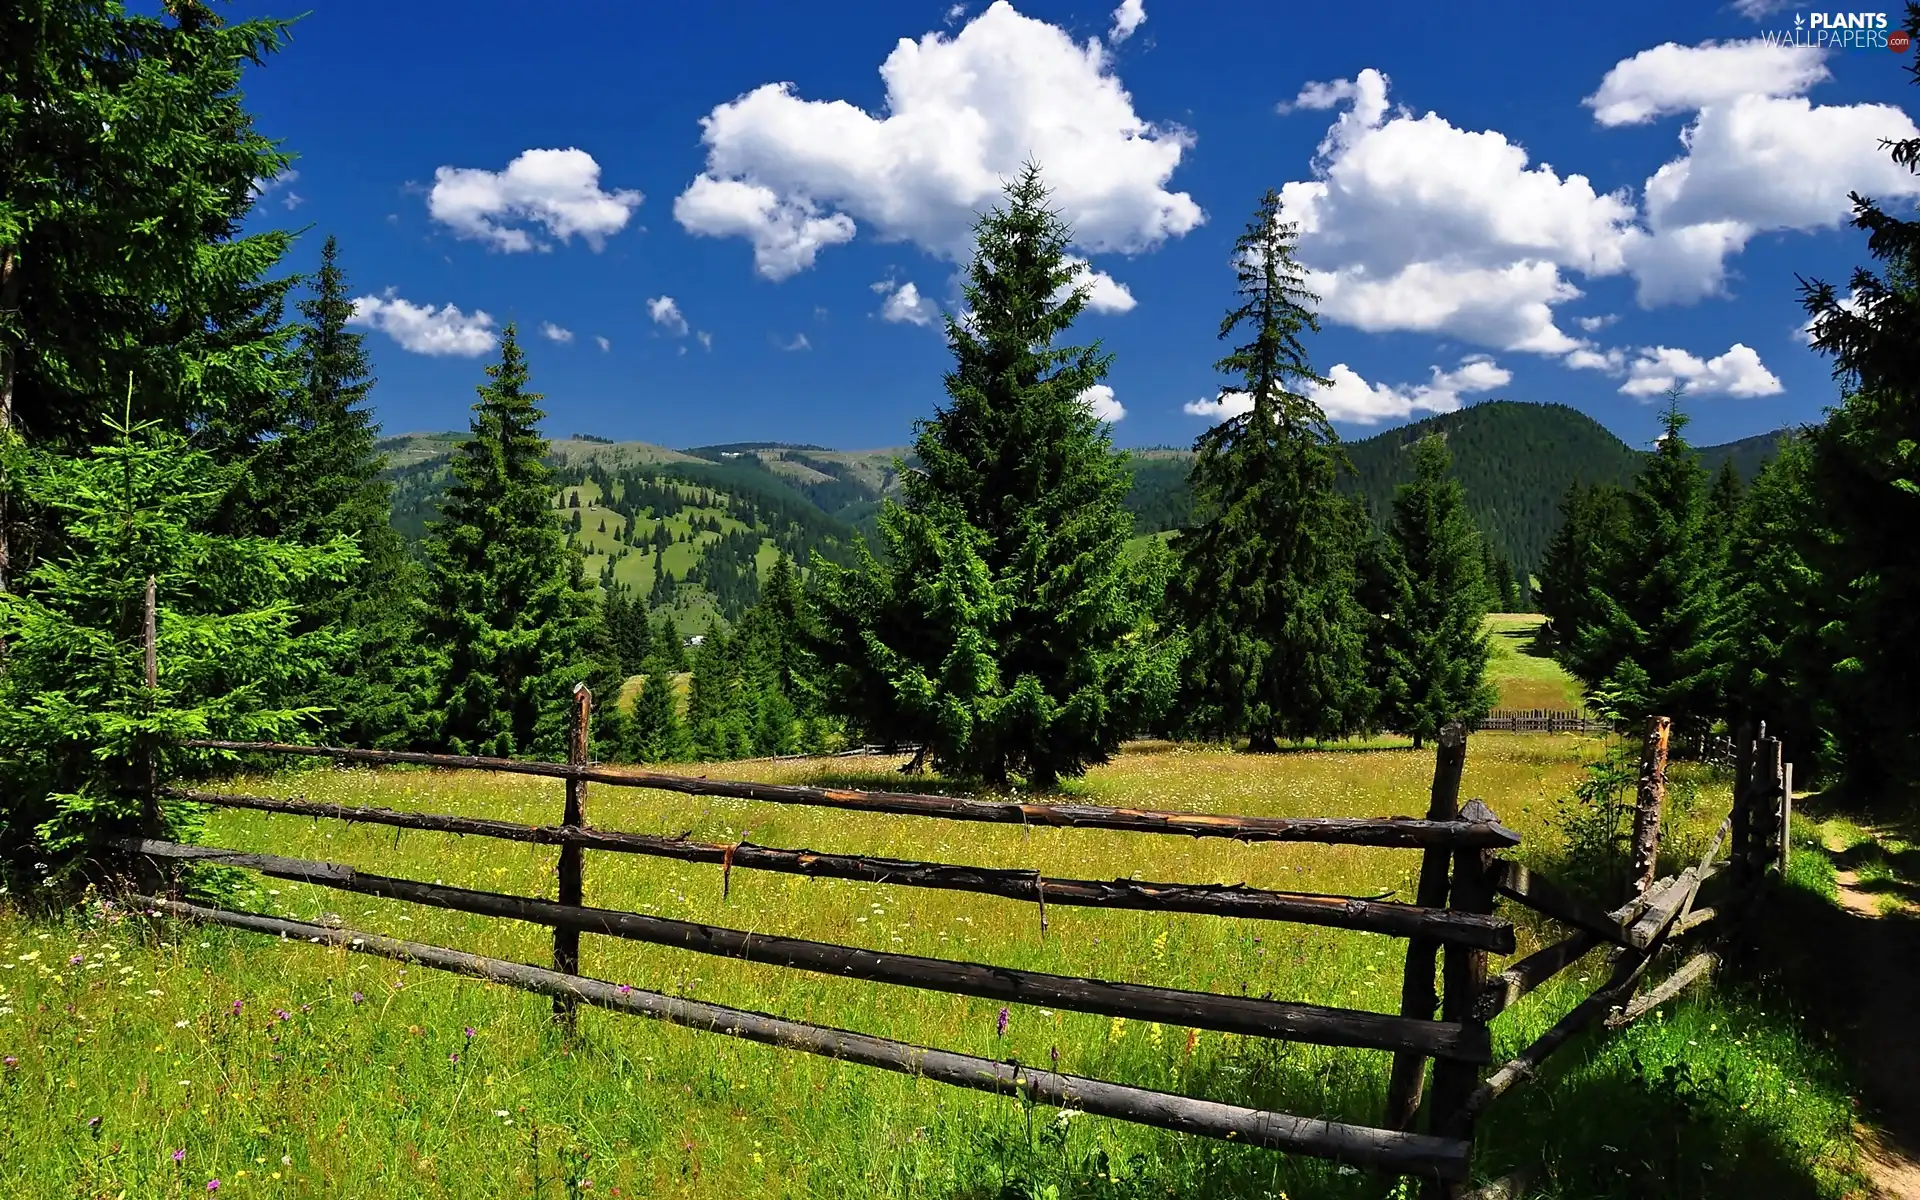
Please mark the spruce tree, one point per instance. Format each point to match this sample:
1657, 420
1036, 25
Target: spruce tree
1655, 644
80, 726
1865, 480
1266, 571
1000, 628
669, 645
1435, 638
509, 617
1593, 522
655, 732
312, 475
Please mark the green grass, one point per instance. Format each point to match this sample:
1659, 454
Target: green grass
364, 1097
1525, 675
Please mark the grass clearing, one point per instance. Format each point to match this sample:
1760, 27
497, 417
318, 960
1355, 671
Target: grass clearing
1527, 676
286, 1069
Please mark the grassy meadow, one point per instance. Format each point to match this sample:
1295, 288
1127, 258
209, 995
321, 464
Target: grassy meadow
1525, 674
152, 1060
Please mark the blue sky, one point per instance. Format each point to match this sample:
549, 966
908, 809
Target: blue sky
1515, 201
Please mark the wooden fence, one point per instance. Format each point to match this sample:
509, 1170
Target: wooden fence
1540, 720
1452, 917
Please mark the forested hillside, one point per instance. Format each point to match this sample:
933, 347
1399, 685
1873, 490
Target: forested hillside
1514, 459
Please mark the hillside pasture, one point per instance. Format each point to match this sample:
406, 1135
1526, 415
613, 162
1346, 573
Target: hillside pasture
284, 1069
1521, 669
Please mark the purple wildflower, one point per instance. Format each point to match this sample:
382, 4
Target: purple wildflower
1053, 1052
357, 997
9, 1062
306, 1008
213, 1185
469, 1033
76, 960
623, 989
454, 1057
180, 1155
236, 1012
1000, 1024
281, 1014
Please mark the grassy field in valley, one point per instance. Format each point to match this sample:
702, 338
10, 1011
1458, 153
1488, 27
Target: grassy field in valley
1526, 676
152, 1060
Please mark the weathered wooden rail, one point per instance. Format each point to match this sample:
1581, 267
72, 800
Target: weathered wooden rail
1540, 720
1452, 919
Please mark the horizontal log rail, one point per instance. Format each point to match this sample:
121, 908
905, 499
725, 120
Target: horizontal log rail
1391, 832
1505, 989
1541, 894
1694, 969
1341, 912
1414, 1154
1174, 1006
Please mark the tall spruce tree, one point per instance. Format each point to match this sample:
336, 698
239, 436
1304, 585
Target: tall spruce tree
1435, 637
1865, 479
655, 732
1593, 522
312, 475
1001, 628
128, 163
1655, 644
509, 616
1267, 572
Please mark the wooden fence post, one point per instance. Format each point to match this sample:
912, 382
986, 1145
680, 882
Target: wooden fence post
1745, 751
1466, 979
1417, 998
572, 889
1786, 819
1766, 794
150, 651
1648, 803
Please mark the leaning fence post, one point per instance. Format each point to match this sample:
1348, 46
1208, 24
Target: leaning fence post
1648, 802
1745, 752
572, 889
1466, 979
1417, 998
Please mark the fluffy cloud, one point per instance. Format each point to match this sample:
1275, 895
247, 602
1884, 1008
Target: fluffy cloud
1099, 398
1411, 223
1671, 78
799, 342
1105, 294
962, 114
423, 329
1126, 19
905, 304
556, 333
1738, 372
558, 190
665, 312
1350, 398
603, 343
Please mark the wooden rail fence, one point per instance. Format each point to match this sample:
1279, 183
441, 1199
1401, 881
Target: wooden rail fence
1451, 918
1540, 720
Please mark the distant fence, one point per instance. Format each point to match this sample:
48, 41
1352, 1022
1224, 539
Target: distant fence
1541, 720
1452, 915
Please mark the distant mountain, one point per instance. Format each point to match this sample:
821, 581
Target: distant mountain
731, 509
1515, 460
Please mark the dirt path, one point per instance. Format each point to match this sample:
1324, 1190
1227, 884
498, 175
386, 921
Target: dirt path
1878, 965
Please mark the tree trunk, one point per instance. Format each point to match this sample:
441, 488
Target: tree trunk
1419, 742
1261, 741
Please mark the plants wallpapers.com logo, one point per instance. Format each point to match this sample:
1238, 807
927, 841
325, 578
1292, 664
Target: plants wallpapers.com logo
1841, 31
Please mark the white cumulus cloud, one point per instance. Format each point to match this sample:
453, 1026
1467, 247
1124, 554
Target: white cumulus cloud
603, 343
962, 114
423, 329
1126, 19
665, 312
1099, 399
1738, 372
1671, 78
557, 190
556, 333
1350, 398
906, 305
1105, 294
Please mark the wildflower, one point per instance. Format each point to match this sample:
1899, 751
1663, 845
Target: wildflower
286, 1160
454, 1057
76, 960
213, 1185
9, 1062
623, 989
93, 1122
236, 1012
469, 1032
180, 1155
1053, 1052
1000, 1023
281, 1014
357, 997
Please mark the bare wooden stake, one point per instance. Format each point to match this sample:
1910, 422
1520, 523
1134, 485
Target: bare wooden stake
1786, 819
1466, 980
1417, 998
573, 864
1650, 800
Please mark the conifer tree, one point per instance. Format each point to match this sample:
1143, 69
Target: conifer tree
656, 732
1655, 644
509, 616
80, 726
1267, 570
1435, 638
1593, 522
1722, 518
669, 646
313, 474
1001, 628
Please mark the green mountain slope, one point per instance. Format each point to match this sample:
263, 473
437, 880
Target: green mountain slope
1514, 459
